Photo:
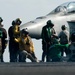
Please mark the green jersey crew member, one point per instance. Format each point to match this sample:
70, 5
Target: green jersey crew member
47, 35
3, 41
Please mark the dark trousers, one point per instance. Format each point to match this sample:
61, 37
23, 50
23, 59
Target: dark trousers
64, 49
48, 56
45, 53
13, 56
13, 51
24, 54
1, 57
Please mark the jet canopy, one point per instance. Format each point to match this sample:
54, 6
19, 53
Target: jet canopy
68, 7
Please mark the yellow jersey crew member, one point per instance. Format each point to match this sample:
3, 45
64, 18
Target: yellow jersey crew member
26, 47
3, 41
14, 33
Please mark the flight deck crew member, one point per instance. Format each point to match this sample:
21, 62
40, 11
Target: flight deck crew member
13, 33
64, 39
73, 37
47, 34
71, 48
3, 41
26, 47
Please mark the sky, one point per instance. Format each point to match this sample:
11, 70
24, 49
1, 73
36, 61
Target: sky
27, 10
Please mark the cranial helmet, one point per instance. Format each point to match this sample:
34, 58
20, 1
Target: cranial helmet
18, 21
50, 23
63, 27
1, 19
24, 31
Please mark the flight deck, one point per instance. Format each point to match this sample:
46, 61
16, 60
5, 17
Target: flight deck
42, 68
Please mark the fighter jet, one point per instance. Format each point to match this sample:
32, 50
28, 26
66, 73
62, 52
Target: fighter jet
64, 14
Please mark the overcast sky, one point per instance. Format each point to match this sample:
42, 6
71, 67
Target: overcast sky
26, 10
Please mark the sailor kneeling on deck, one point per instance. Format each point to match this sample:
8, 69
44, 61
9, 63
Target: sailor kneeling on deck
26, 47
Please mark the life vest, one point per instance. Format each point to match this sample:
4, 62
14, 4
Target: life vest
16, 31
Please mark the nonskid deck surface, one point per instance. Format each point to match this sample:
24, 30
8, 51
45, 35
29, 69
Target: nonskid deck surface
51, 68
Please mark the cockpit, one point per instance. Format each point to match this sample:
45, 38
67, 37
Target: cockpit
68, 7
